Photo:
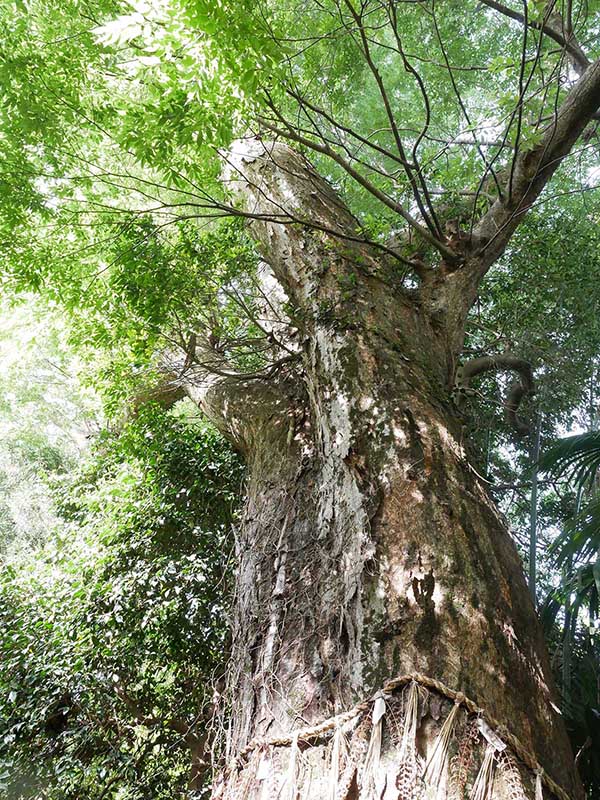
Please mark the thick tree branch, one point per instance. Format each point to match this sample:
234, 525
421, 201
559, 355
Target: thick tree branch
241, 404
265, 176
332, 283
499, 363
534, 168
288, 132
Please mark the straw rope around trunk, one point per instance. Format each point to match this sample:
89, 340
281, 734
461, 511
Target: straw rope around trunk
488, 726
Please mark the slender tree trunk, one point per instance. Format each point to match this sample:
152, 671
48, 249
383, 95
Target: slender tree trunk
369, 549
567, 643
533, 513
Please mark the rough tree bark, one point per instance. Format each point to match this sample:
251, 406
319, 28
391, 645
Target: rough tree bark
369, 548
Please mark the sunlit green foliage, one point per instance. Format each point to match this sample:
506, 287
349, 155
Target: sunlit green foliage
112, 640
575, 599
45, 416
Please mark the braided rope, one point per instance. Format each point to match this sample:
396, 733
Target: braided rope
327, 726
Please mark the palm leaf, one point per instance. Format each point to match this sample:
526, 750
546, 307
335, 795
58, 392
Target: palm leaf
581, 584
581, 536
549, 610
576, 457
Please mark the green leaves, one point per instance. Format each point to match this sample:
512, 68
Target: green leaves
113, 608
577, 458
113, 629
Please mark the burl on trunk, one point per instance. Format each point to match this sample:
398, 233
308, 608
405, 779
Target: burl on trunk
375, 575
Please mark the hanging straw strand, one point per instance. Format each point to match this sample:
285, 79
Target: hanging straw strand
484, 783
372, 758
437, 762
291, 778
334, 768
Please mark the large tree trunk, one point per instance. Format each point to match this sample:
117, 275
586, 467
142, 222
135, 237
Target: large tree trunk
369, 548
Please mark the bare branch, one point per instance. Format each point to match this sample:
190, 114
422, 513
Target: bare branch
304, 102
427, 105
463, 108
410, 169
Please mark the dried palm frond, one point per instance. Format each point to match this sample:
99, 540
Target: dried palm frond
484, 782
395, 721
408, 781
511, 773
357, 751
437, 762
460, 765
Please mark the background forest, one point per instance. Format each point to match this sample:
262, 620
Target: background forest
117, 512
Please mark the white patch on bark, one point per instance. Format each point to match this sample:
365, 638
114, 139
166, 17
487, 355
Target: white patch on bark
365, 403
399, 435
449, 441
341, 512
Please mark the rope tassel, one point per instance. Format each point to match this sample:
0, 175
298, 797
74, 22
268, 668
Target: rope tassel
410, 773
334, 770
408, 776
482, 788
437, 761
373, 756
291, 778
411, 718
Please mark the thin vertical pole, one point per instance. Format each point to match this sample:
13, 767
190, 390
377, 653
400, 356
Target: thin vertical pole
535, 455
567, 639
